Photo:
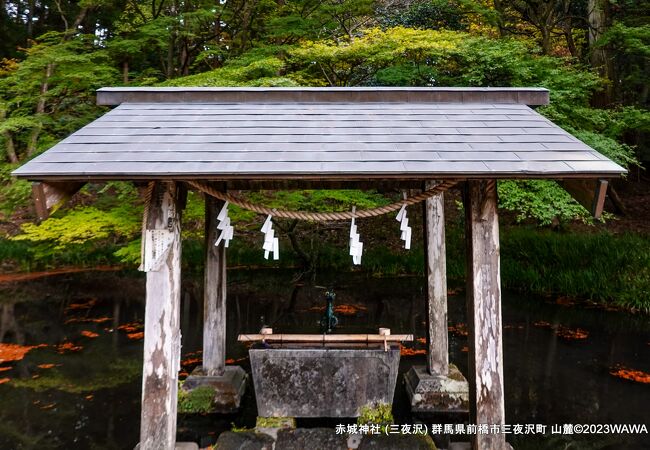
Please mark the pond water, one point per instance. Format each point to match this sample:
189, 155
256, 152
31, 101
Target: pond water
80, 384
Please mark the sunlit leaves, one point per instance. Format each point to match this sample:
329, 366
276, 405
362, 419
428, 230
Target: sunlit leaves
82, 225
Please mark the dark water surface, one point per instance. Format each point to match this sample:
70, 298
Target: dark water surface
81, 388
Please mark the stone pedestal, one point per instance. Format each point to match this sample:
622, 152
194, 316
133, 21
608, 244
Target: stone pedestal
228, 388
437, 393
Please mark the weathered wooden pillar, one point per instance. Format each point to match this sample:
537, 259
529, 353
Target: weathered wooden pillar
214, 294
436, 275
439, 388
484, 312
227, 382
162, 339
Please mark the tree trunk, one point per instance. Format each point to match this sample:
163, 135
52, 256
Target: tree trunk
170, 56
546, 40
10, 148
597, 18
40, 109
501, 11
570, 42
597, 26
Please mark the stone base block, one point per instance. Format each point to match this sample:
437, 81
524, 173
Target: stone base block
437, 393
229, 387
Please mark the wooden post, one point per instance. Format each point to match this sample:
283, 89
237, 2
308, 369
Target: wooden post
214, 295
484, 312
162, 339
436, 272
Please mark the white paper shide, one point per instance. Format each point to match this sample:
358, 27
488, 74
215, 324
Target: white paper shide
271, 243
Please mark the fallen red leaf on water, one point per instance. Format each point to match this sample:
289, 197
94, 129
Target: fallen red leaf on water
343, 310
421, 340
15, 352
89, 334
86, 305
131, 327
571, 334
183, 374
67, 347
135, 336
405, 351
233, 361
11, 277
4, 380
4, 369
465, 349
460, 329
349, 310
565, 301
50, 406
513, 327
88, 320
89, 397
46, 366
191, 361
630, 374
542, 324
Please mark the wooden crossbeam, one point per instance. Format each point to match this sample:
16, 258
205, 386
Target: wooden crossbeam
325, 338
50, 196
589, 193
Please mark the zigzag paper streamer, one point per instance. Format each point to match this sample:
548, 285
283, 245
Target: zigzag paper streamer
404, 227
356, 246
271, 243
223, 225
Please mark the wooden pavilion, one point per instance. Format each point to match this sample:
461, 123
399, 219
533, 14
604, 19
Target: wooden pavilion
225, 139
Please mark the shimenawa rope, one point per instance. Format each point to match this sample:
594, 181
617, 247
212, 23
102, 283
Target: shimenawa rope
323, 216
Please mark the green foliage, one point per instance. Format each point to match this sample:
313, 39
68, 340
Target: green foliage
259, 67
311, 19
319, 200
380, 414
13, 193
275, 422
199, 400
50, 94
129, 254
630, 50
600, 267
82, 225
429, 14
541, 200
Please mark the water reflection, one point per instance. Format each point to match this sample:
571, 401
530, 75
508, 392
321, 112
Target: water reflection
91, 397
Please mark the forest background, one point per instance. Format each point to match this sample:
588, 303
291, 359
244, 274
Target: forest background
593, 55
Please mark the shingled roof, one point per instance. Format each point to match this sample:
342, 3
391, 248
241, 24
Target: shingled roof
362, 133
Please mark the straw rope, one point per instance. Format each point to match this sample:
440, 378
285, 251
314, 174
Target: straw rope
322, 216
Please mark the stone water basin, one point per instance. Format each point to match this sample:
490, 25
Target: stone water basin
332, 381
